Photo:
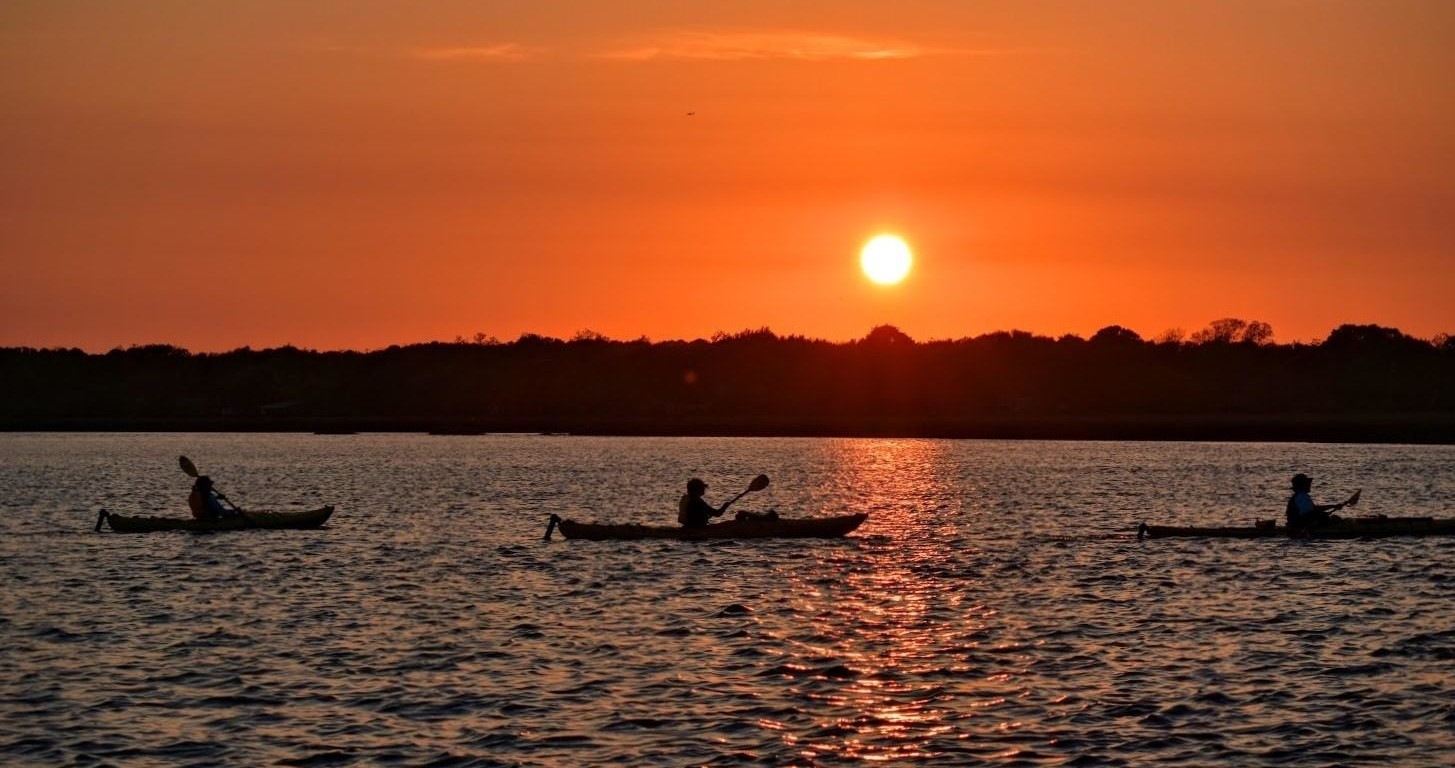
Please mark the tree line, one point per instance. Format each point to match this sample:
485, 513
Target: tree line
1228, 381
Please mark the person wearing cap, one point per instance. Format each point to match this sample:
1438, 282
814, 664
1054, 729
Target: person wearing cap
1302, 512
693, 511
205, 501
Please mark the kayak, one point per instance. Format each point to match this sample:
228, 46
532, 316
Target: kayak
1378, 526
139, 524
781, 528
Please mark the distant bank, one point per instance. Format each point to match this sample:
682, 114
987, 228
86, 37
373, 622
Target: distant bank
1364, 383
1374, 428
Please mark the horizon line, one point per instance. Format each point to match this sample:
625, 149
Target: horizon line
1177, 336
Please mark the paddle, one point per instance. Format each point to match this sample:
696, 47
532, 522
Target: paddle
759, 483
191, 470
1351, 501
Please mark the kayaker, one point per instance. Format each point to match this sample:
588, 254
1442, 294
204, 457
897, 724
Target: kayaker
205, 501
1302, 512
693, 511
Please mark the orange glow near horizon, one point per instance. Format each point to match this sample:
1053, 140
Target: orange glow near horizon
346, 175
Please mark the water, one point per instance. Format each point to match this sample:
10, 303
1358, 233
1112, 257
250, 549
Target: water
995, 609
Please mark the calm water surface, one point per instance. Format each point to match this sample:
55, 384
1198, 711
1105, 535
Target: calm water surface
995, 609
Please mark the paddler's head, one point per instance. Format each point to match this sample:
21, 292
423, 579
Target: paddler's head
1302, 482
696, 487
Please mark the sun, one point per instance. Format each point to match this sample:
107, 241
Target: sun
886, 259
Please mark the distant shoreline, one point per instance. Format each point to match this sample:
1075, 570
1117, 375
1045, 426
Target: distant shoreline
1425, 429
1364, 384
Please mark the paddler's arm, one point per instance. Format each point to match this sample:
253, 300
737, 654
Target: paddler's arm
700, 506
1336, 507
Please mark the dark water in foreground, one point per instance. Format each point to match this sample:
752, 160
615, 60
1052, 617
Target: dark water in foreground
994, 610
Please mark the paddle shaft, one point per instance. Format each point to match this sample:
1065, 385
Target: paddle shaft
759, 483
223, 498
1349, 502
191, 470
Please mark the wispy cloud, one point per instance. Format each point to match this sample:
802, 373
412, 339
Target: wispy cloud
776, 44
462, 53
740, 45
496, 52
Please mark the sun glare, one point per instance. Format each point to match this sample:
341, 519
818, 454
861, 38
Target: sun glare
886, 259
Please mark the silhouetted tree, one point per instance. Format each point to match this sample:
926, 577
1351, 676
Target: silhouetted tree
1369, 336
1116, 334
588, 336
1171, 336
1231, 330
747, 334
888, 335
1258, 332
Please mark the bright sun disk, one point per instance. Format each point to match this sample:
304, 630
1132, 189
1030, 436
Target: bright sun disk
886, 259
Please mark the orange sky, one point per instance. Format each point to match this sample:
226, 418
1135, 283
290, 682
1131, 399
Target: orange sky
354, 174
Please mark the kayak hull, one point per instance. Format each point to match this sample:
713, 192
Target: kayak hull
783, 528
312, 518
1348, 528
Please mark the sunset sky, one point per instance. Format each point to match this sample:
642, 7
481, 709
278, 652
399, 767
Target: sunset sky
359, 173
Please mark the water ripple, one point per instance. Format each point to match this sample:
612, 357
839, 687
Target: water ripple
993, 609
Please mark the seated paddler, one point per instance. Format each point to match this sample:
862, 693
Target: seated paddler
693, 511
1303, 513
205, 501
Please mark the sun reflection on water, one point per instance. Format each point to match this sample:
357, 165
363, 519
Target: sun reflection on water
885, 655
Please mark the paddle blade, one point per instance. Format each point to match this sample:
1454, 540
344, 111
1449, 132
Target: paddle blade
759, 483
187, 465
1353, 499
